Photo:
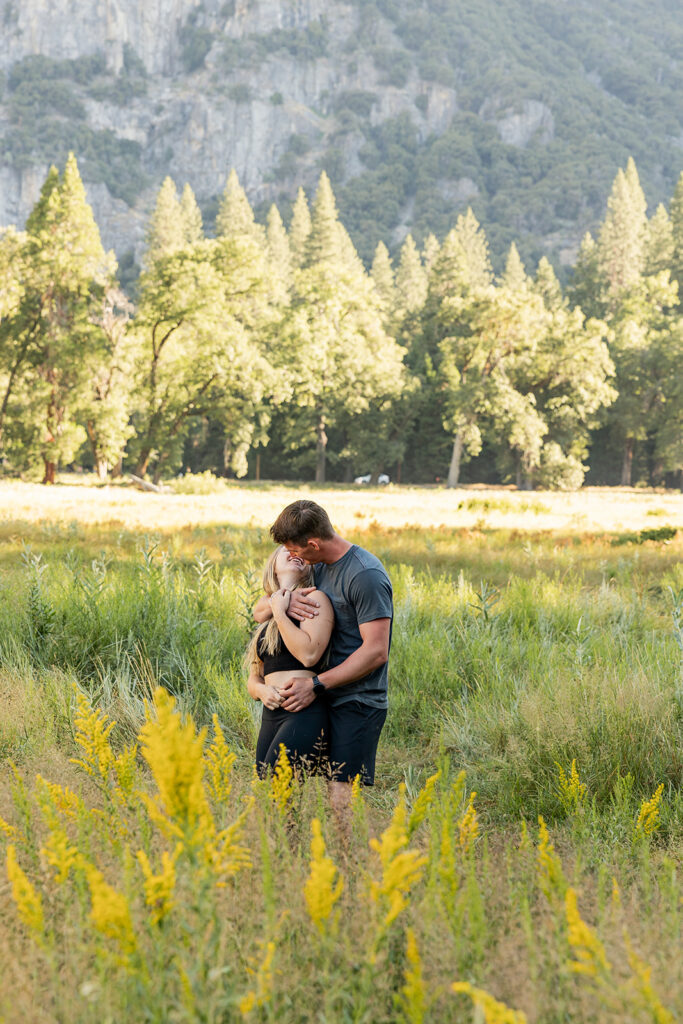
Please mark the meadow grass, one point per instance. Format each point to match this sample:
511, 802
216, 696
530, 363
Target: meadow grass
548, 667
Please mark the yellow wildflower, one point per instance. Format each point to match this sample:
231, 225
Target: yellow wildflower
125, 769
401, 869
110, 913
648, 815
223, 851
159, 888
59, 853
616, 894
320, 890
468, 827
173, 751
587, 947
262, 991
549, 866
282, 786
220, 762
643, 985
9, 830
28, 901
493, 1012
93, 729
571, 791
62, 798
423, 801
412, 998
356, 790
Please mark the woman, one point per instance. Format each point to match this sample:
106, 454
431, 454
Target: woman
280, 649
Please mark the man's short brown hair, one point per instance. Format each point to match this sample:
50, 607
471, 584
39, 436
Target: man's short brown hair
300, 521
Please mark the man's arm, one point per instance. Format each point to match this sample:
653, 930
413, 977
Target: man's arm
373, 652
301, 606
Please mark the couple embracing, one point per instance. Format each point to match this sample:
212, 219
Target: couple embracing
318, 661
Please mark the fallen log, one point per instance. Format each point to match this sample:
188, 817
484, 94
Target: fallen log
145, 485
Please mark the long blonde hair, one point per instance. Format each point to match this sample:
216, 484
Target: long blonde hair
270, 631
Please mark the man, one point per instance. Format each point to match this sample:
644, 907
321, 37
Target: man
355, 682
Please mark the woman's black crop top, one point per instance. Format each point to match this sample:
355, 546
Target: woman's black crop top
283, 660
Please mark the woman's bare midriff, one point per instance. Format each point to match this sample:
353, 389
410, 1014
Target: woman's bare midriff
278, 679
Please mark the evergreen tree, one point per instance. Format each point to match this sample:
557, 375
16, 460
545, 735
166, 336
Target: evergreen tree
676, 214
191, 217
279, 255
411, 279
659, 243
299, 228
547, 285
235, 215
514, 276
382, 274
166, 231
430, 252
66, 274
623, 235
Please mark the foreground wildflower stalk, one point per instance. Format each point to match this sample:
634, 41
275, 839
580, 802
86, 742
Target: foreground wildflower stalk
493, 1012
29, 902
282, 785
647, 821
320, 890
641, 983
262, 990
549, 866
589, 952
571, 791
411, 1001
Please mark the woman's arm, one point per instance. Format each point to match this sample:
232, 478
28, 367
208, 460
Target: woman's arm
308, 641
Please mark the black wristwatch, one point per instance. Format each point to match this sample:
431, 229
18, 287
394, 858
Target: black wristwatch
318, 687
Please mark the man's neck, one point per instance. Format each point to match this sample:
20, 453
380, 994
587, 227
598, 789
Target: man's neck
334, 549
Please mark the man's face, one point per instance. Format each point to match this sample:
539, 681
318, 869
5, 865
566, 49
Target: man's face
308, 553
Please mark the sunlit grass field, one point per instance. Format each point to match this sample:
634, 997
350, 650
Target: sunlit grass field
525, 836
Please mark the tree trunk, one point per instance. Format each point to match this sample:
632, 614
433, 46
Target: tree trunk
627, 464
320, 451
143, 462
399, 464
102, 469
117, 470
50, 472
518, 472
258, 466
454, 468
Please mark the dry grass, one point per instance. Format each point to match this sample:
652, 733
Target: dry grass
592, 509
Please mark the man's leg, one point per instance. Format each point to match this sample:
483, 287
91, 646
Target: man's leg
354, 734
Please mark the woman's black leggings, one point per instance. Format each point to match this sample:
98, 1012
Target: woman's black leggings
303, 733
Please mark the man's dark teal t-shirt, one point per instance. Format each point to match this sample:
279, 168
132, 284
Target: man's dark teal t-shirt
359, 588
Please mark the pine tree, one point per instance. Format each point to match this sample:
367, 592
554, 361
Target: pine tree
547, 285
235, 215
325, 243
279, 255
514, 276
299, 228
166, 231
623, 235
411, 278
430, 252
676, 214
193, 229
382, 274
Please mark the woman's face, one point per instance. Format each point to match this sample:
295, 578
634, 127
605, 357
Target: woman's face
288, 567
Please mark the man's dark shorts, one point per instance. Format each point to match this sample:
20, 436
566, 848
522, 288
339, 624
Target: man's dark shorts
354, 735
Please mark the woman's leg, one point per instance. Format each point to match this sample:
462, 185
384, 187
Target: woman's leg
271, 722
304, 735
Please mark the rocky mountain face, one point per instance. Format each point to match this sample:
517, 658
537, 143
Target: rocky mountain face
279, 89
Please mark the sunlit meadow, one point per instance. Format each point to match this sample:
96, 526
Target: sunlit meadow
520, 856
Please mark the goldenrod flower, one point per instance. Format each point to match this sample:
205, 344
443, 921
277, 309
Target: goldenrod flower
125, 770
356, 791
468, 827
159, 888
648, 815
262, 991
28, 901
401, 869
220, 763
62, 799
282, 786
9, 830
110, 913
59, 853
616, 894
320, 890
412, 998
493, 1011
223, 851
549, 866
643, 985
571, 791
93, 729
587, 947
423, 801
174, 753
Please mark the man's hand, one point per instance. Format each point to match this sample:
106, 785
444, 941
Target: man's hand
279, 601
297, 693
301, 606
